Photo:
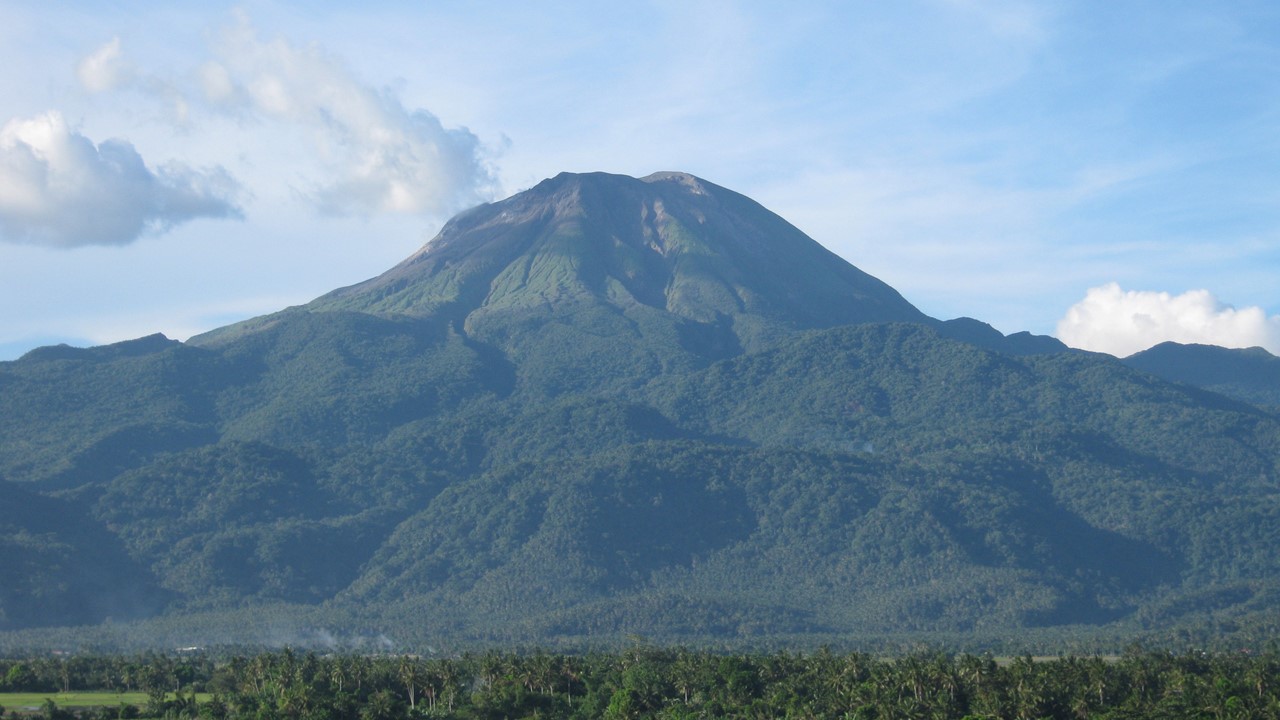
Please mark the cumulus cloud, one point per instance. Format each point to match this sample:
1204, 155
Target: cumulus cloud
383, 156
58, 188
1121, 322
104, 69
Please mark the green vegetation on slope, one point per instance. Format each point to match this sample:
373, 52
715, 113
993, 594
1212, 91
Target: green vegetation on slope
863, 479
610, 406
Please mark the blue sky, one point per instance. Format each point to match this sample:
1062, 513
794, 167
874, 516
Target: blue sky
1106, 172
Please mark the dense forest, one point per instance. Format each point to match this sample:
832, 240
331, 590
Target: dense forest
909, 483
648, 682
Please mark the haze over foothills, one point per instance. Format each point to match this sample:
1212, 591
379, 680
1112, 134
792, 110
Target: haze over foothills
1102, 172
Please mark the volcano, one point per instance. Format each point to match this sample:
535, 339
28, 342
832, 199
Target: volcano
610, 406
665, 271
669, 242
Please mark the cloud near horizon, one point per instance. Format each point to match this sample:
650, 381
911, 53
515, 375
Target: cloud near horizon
60, 189
1121, 322
382, 156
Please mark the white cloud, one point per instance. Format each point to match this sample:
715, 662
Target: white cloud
57, 188
382, 156
217, 85
1121, 322
104, 69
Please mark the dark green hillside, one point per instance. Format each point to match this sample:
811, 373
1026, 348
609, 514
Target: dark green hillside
1250, 374
753, 543
57, 563
334, 378
237, 520
609, 406
976, 332
73, 415
917, 483
1158, 463
903, 390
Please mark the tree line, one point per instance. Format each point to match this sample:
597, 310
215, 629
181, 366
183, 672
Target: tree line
649, 682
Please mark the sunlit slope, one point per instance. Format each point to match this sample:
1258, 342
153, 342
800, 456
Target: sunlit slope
597, 280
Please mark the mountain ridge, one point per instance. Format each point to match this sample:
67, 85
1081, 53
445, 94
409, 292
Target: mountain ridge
1249, 374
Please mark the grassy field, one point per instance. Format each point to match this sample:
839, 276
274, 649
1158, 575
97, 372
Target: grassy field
22, 701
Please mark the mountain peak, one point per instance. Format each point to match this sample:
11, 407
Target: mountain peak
669, 254
671, 241
694, 183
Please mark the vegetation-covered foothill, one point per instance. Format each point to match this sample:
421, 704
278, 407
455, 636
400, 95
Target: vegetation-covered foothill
645, 682
610, 406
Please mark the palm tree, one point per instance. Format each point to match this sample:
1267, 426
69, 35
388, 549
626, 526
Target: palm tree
338, 672
571, 671
410, 675
450, 674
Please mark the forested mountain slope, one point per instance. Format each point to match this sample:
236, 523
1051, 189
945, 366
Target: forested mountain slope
1249, 374
609, 406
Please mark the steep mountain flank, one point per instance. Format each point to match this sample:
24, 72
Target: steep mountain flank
669, 242
635, 276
